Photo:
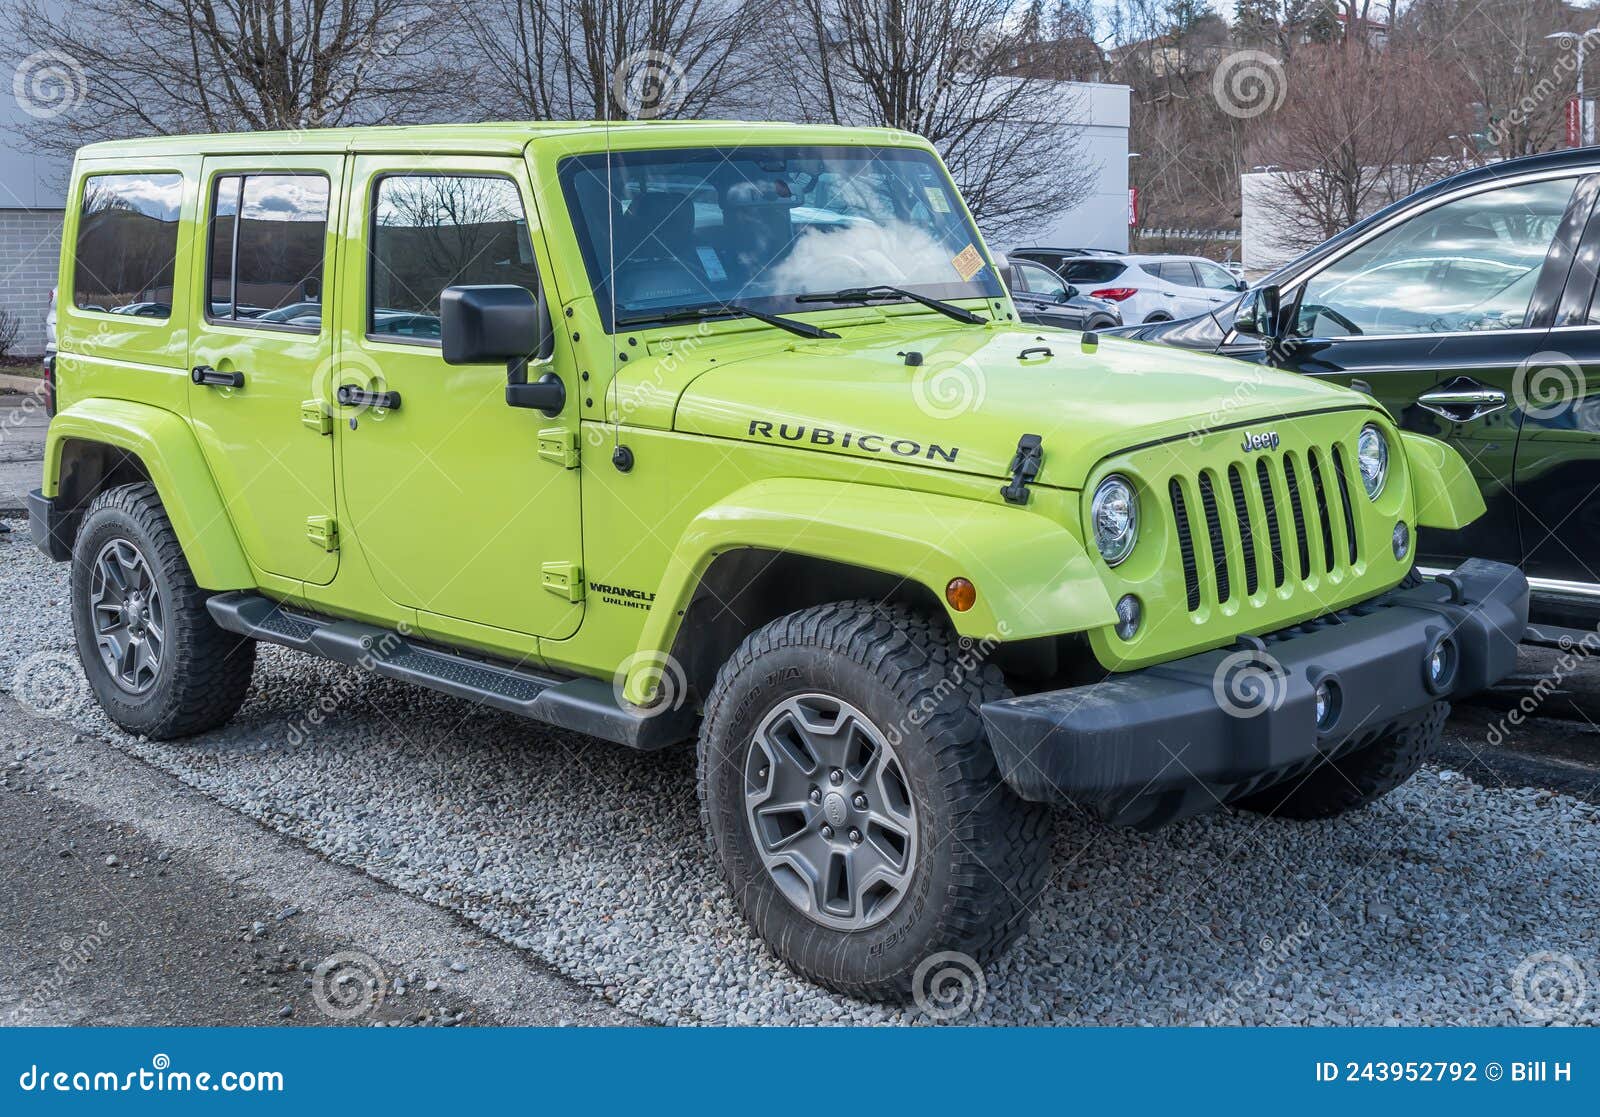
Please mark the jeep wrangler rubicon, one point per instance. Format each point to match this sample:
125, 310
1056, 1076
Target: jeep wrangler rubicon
724, 432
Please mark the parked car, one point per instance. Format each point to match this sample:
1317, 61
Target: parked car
729, 484
1064, 253
1469, 310
1146, 288
1043, 298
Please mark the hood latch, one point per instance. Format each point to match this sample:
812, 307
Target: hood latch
1024, 468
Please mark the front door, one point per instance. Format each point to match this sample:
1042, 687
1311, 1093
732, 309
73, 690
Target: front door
1435, 316
261, 335
466, 509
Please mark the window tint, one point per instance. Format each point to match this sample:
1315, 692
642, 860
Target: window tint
1042, 281
268, 235
430, 232
1180, 272
1091, 271
1217, 278
1471, 264
127, 243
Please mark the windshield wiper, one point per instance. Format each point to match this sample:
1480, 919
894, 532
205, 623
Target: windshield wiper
870, 294
725, 310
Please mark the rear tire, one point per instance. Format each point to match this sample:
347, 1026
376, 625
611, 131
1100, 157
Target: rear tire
813, 699
1359, 778
157, 663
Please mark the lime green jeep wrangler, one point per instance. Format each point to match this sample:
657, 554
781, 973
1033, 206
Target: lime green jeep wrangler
729, 433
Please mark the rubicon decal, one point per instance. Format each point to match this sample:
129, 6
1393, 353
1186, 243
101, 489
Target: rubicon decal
846, 440
1266, 440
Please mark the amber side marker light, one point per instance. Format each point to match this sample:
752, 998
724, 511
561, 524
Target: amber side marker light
961, 594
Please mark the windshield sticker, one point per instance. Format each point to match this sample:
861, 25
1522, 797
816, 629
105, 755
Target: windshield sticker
967, 262
709, 261
937, 198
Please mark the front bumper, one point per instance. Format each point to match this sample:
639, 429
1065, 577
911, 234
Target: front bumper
48, 527
1150, 746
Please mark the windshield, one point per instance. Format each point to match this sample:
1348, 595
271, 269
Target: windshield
758, 226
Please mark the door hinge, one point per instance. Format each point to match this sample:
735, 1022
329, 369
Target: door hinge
315, 416
559, 445
564, 579
323, 531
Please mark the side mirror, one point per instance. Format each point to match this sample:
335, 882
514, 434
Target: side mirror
1072, 293
1262, 314
503, 322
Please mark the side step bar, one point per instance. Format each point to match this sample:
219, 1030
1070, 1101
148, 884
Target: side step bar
583, 705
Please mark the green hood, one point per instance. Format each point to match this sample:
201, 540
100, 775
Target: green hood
973, 396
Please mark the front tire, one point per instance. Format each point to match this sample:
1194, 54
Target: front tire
157, 663
1358, 778
853, 804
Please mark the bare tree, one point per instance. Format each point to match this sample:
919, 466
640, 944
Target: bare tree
606, 59
116, 68
946, 70
1360, 128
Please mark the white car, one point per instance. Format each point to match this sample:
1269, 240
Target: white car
1145, 288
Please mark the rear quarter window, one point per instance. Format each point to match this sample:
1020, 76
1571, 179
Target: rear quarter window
1091, 271
127, 244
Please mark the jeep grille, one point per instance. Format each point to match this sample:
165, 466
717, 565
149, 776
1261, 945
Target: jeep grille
1221, 515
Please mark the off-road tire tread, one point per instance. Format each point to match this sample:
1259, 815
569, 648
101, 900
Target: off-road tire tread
1359, 778
213, 665
910, 654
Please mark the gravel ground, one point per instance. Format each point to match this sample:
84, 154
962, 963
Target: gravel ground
1447, 903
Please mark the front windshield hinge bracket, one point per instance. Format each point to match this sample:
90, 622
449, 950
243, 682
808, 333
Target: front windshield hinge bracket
1024, 468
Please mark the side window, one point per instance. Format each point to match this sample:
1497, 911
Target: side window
127, 244
430, 232
1041, 281
1214, 277
268, 233
1180, 272
1470, 264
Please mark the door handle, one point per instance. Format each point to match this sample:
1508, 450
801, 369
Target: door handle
349, 395
1463, 400
205, 374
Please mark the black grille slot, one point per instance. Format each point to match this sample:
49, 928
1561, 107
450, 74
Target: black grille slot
1246, 536
1323, 517
1180, 517
1299, 516
1343, 474
1274, 536
1219, 552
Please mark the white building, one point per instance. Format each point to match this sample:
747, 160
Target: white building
1100, 114
31, 192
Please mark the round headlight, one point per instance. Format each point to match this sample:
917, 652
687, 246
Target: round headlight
1372, 454
1114, 514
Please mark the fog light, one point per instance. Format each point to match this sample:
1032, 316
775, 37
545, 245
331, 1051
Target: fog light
961, 594
1402, 540
1129, 614
1327, 699
1439, 665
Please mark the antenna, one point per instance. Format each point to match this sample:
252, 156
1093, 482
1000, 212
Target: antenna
613, 391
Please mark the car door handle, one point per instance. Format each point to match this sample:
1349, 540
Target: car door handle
349, 395
205, 374
1463, 400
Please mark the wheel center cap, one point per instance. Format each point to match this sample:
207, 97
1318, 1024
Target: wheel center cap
836, 808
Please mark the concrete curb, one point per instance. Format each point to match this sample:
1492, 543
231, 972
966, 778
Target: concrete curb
25, 385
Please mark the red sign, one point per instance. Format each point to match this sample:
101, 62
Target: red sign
1133, 206
1574, 123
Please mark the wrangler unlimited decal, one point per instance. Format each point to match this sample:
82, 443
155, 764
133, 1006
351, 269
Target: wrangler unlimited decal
870, 443
622, 595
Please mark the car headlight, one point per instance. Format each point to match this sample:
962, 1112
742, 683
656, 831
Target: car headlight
1114, 517
1372, 455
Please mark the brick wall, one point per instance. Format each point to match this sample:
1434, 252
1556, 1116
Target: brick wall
30, 246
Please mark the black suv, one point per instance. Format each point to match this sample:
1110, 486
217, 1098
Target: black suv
1469, 309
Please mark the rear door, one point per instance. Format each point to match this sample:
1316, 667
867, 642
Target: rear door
260, 353
1438, 315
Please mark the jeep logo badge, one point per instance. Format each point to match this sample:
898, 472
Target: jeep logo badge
1266, 440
